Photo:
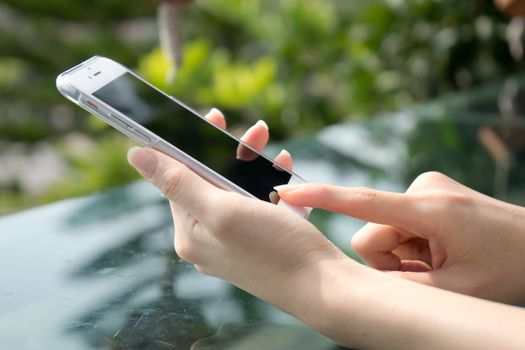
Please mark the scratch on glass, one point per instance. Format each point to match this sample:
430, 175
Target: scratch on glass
140, 319
164, 343
78, 324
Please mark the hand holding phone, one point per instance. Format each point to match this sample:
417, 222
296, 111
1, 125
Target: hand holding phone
134, 107
257, 136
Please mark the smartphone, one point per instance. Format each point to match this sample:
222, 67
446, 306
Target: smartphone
136, 108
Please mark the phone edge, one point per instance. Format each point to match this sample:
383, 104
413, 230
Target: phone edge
75, 95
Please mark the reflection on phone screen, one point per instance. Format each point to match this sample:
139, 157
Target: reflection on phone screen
194, 136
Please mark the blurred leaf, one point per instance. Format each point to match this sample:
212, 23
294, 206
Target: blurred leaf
299, 64
237, 85
154, 67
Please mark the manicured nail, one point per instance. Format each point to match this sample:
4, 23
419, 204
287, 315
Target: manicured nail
262, 123
143, 161
287, 188
283, 151
215, 110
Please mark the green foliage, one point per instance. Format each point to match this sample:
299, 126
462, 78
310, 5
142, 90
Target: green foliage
106, 10
103, 166
335, 60
223, 82
446, 151
298, 64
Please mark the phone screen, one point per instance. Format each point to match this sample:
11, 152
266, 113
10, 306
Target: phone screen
193, 135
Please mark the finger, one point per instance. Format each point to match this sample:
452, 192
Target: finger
256, 137
375, 244
216, 117
389, 208
413, 251
386, 248
284, 160
174, 179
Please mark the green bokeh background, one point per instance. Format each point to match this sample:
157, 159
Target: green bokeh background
299, 65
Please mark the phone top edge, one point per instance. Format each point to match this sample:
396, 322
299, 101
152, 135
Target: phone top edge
85, 76
68, 91
80, 65
61, 80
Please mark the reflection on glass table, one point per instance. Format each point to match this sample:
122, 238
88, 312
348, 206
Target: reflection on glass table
101, 273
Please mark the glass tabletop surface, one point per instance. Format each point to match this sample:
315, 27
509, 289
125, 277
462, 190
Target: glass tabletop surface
100, 272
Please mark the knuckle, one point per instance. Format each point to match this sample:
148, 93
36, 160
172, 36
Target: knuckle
191, 225
358, 244
366, 194
443, 205
430, 177
449, 202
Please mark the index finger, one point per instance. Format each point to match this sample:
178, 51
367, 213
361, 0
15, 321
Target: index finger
388, 208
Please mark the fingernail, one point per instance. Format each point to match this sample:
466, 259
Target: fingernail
283, 151
262, 123
215, 110
143, 161
287, 188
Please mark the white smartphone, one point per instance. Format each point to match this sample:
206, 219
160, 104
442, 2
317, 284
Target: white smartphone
154, 119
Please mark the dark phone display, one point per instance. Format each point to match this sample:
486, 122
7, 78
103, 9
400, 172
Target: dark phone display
192, 135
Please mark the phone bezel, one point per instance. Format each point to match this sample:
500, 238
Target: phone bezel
80, 82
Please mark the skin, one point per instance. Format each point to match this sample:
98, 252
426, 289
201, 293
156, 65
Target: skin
438, 233
356, 305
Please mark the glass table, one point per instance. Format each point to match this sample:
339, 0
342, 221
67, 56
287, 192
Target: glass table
100, 272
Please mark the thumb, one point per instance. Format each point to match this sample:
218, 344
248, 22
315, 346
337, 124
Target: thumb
174, 179
381, 207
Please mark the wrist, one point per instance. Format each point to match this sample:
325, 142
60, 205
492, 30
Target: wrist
509, 233
347, 310
360, 307
365, 308
326, 293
